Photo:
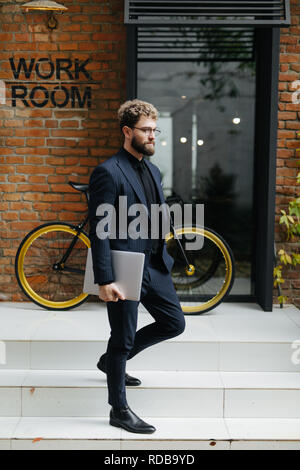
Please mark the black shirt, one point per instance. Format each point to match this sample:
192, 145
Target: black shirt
145, 177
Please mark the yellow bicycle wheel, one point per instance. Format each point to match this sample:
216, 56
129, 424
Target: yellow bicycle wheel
40, 272
211, 275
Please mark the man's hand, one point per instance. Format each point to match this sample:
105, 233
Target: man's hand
110, 293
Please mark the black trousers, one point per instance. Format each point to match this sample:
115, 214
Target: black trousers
159, 297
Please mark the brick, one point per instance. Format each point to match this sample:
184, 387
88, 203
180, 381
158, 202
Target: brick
13, 123
42, 206
6, 132
5, 113
7, 188
66, 133
23, 226
37, 179
67, 216
33, 188
292, 107
36, 170
287, 115
55, 161
66, 171
70, 151
14, 142
29, 196
295, 67
10, 216
28, 216
31, 151
18, 206
293, 144
61, 188
35, 160
31, 132
55, 142
293, 49
286, 97
80, 18
48, 47
35, 142
288, 40
51, 123
286, 190
33, 123
285, 172
33, 113
49, 216
70, 124
4, 37
52, 197
110, 36
293, 163
7, 169
17, 179
11, 197
286, 134
68, 46
75, 207
288, 77
293, 125
56, 179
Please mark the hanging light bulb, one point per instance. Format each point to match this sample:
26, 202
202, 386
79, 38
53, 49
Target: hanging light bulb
45, 5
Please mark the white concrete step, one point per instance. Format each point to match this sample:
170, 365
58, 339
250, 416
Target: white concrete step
171, 433
232, 337
164, 394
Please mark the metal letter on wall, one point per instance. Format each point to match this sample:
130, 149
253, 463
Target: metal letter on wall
37, 83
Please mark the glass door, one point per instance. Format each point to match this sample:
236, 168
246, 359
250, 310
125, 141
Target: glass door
203, 83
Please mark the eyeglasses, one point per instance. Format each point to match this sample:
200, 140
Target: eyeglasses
148, 130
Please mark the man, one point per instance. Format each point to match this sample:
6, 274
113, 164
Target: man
129, 174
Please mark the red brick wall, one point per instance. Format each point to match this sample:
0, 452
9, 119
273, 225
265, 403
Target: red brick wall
42, 148
288, 156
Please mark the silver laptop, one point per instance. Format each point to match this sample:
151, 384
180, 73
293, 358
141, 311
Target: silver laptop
128, 270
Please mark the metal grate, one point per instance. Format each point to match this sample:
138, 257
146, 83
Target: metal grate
208, 12
179, 43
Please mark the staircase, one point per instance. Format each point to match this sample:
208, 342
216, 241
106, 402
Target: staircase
228, 382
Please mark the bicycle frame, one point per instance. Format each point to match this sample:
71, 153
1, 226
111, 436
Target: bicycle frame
61, 265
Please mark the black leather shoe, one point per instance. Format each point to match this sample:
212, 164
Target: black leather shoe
125, 418
129, 381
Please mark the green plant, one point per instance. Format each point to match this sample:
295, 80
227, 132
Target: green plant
291, 222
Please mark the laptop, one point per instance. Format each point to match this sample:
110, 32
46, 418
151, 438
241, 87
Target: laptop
128, 268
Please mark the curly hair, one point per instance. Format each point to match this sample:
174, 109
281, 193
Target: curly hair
130, 112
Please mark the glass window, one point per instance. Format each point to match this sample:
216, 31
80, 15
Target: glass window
206, 149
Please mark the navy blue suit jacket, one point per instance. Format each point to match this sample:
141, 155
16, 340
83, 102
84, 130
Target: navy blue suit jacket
109, 180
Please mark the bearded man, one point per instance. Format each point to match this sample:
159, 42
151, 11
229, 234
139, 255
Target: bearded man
130, 174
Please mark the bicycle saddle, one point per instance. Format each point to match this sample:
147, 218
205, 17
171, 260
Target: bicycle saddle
79, 187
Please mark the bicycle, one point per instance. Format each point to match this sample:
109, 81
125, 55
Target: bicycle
50, 265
